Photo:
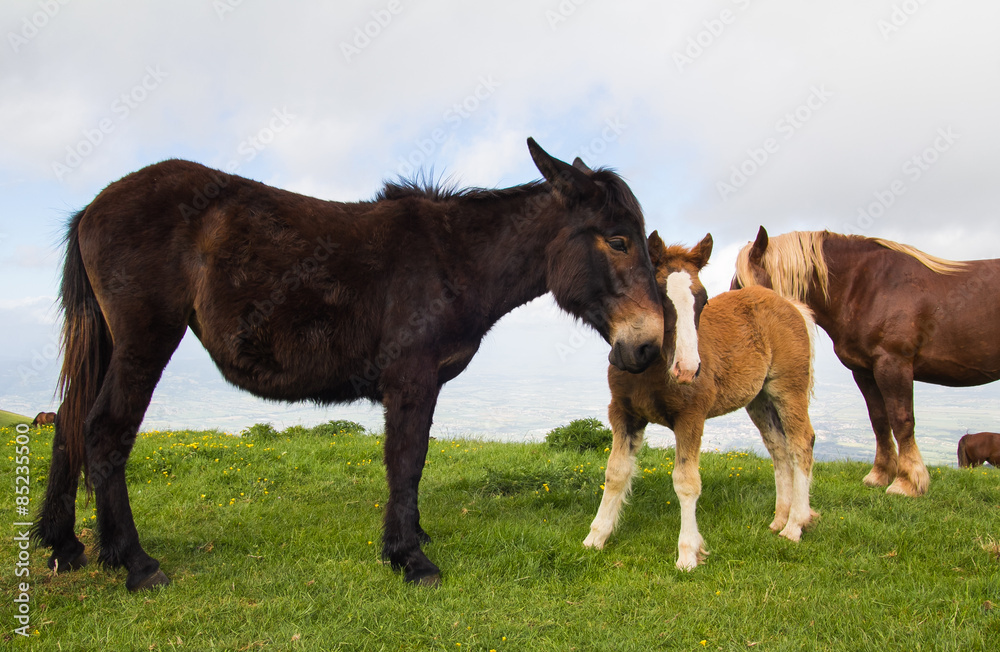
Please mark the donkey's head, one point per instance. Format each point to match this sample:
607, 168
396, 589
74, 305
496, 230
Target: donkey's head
598, 268
677, 276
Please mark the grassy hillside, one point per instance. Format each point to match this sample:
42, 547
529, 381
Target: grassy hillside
272, 543
8, 419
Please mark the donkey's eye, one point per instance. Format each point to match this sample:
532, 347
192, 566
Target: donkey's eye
618, 244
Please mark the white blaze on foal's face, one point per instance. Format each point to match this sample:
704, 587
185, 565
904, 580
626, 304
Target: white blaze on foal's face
686, 360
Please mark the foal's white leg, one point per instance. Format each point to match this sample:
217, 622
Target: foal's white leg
687, 485
800, 444
764, 415
617, 483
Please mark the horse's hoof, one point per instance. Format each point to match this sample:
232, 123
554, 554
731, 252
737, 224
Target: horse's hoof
902, 486
155, 580
876, 478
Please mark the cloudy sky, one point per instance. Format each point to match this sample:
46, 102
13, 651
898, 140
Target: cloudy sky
722, 115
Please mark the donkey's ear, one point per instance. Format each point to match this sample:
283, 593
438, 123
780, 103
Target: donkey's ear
581, 166
566, 179
702, 251
656, 248
759, 246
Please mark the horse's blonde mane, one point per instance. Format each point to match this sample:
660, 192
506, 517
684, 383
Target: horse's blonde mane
793, 260
933, 263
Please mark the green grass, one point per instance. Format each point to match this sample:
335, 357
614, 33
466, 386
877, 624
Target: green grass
10, 419
272, 543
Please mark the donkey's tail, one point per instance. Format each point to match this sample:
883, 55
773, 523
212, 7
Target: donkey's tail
807, 315
86, 344
963, 454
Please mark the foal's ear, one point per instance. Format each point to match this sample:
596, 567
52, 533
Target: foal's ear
566, 179
759, 246
656, 248
702, 251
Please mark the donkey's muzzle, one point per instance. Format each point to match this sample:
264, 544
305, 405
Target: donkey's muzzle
634, 358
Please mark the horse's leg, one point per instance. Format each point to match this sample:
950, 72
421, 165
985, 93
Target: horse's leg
764, 415
409, 408
687, 485
628, 435
109, 433
895, 380
884, 469
57, 519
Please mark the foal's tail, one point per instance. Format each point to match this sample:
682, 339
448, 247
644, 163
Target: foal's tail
807, 315
86, 344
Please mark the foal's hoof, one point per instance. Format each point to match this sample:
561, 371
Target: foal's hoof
155, 580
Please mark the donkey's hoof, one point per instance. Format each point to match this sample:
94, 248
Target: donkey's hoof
78, 562
155, 580
431, 578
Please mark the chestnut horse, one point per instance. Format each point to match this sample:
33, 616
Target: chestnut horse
977, 448
44, 419
895, 315
748, 348
301, 299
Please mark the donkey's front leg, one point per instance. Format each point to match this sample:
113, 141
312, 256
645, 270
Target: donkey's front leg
409, 408
687, 485
628, 434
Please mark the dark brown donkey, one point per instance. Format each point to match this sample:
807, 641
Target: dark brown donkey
895, 315
301, 299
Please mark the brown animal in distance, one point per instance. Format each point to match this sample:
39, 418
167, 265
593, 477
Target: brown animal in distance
977, 448
44, 419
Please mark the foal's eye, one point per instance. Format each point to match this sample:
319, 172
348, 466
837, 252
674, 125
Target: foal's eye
618, 244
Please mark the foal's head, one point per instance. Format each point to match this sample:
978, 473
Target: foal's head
598, 266
677, 276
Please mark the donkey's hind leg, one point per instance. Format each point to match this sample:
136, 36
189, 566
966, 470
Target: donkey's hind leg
764, 415
56, 523
110, 432
628, 435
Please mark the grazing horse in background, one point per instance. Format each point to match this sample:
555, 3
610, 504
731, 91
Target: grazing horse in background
895, 315
977, 448
44, 419
298, 299
749, 348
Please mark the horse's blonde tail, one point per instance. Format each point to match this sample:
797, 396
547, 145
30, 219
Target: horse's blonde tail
807, 316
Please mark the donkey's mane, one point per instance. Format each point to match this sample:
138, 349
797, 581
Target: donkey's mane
424, 186
794, 259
